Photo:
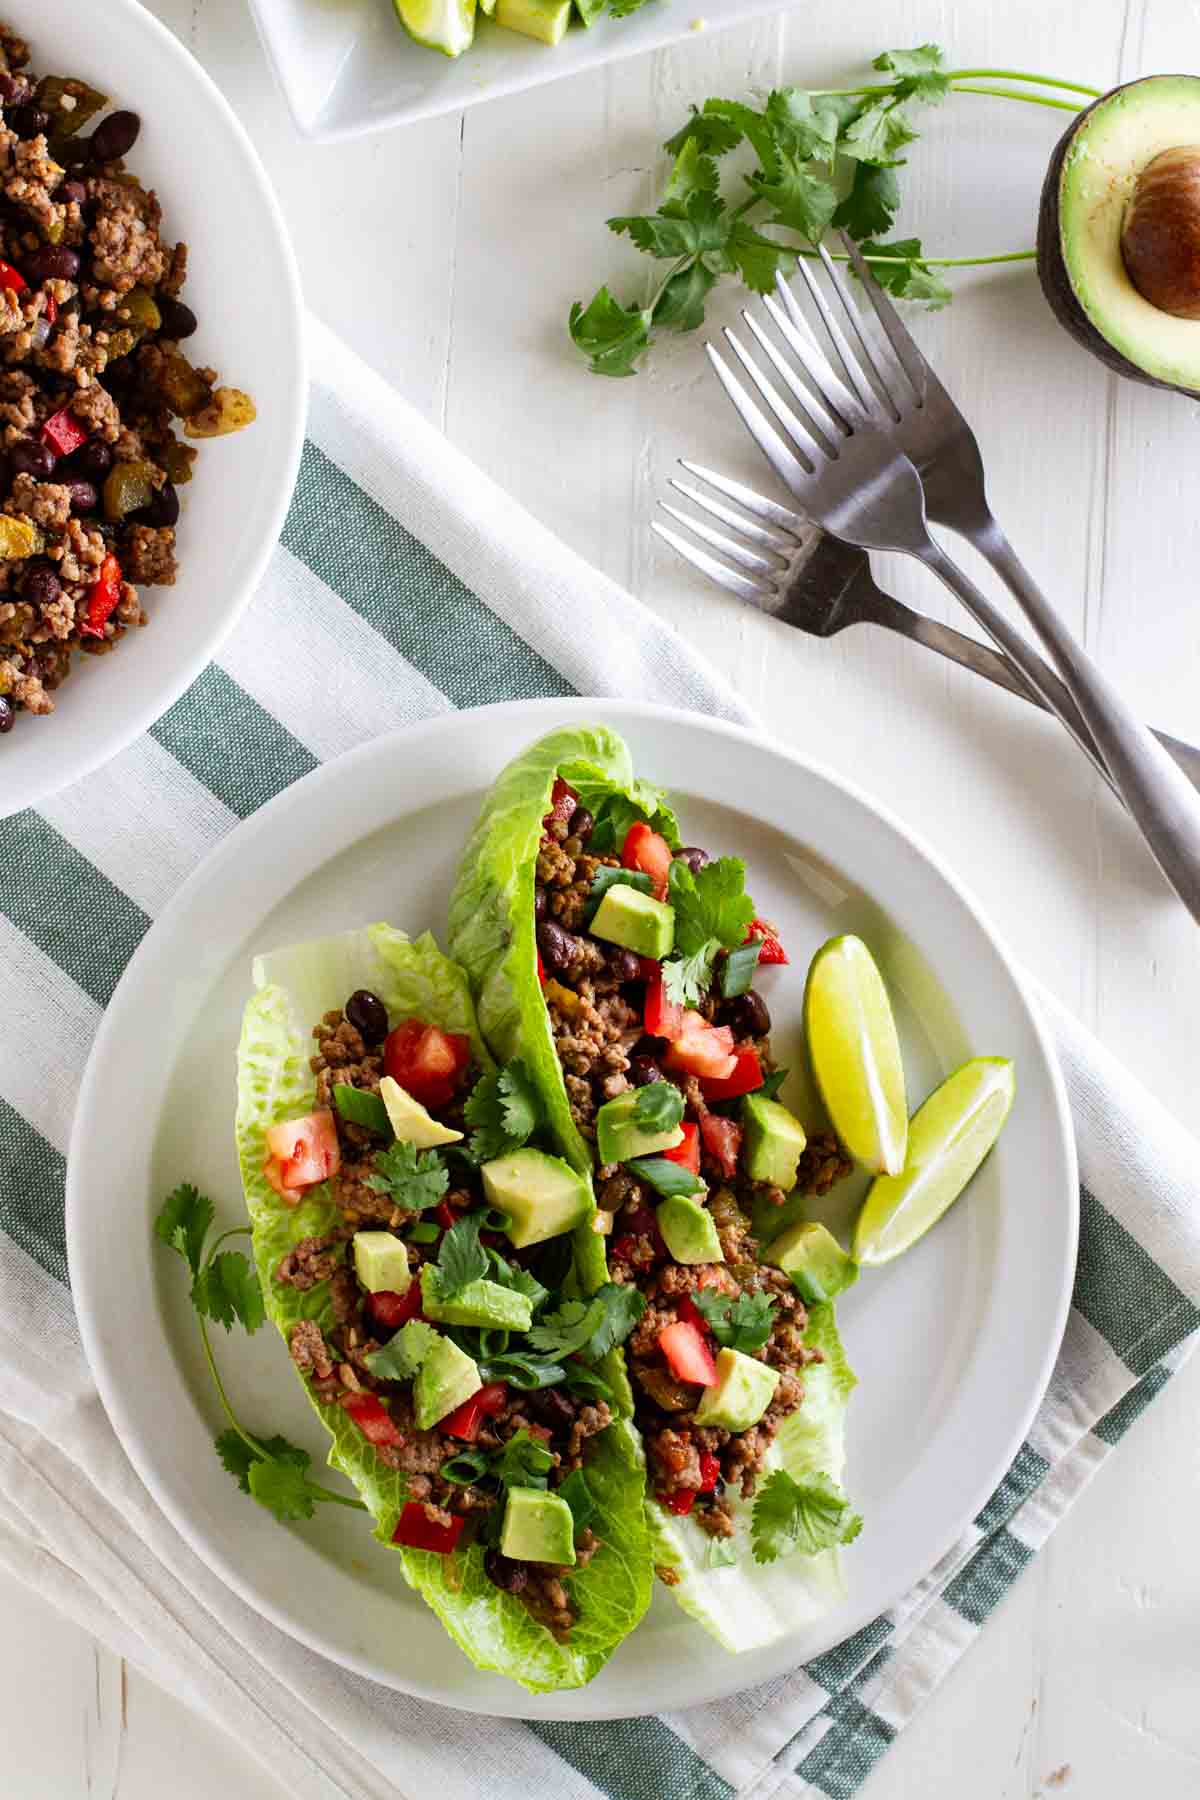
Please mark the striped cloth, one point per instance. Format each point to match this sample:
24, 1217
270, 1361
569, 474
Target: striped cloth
364, 624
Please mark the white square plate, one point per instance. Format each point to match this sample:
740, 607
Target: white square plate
347, 67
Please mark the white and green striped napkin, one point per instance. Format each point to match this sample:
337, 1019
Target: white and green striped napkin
365, 623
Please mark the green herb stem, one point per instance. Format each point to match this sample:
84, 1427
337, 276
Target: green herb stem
954, 76
939, 262
1000, 93
1050, 81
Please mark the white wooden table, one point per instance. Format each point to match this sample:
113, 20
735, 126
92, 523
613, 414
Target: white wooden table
448, 255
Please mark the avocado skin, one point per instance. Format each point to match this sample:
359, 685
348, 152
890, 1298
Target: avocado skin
1052, 270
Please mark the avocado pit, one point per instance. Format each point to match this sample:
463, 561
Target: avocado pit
1160, 237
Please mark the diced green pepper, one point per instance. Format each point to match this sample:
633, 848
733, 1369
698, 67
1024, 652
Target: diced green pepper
69, 101
182, 389
179, 460
227, 410
128, 487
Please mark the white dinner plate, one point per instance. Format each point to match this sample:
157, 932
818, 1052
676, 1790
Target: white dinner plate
242, 286
953, 1344
352, 68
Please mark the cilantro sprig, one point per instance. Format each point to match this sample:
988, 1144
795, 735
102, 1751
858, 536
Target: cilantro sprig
225, 1287
821, 158
503, 1111
741, 1324
712, 913
808, 1516
412, 1179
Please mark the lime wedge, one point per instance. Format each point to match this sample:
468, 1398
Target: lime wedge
446, 25
855, 1054
948, 1138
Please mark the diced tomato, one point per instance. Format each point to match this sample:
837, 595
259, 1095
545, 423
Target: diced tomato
445, 1215
100, 601
418, 1531
51, 310
690, 1358
646, 850
563, 801
687, 1310
273, 1170
770, 948
704, 1050
661, 1017
722, 1141
389, 1310
541, 969
372, 1418
710, 1472
63, 433
306, 1149
12, 278
686, 1154
426, 1061
485, 1403
742, 1077
679, 1500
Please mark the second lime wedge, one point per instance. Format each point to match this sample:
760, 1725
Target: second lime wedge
948, 1138
855, 1054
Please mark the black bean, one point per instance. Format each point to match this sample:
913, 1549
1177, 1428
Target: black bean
28, 457
27, 121
747, 1014
550, 1405
41, 586
556, 946
582, 823
624, 965
72, 192
115, 136
368, 1015
504, 1573
178, 320
83, 495
539, 904
53, 262
163, 508
694, 857
94, 459
8, 716
643, 1071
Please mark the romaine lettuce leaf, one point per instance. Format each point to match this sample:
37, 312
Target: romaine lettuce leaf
744, 1604
295, 987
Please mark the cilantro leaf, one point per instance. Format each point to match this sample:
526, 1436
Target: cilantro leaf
877, 134
413, 1179
563, 1332
771, 1084
712, 904
578, 1496
757, 259
610, 335
512, 1275
681, 227
462, 1258
183, 1223
283, 1488
621, 1308
523, 1371
920, 70
904, 274
236, 1456
362, 1108
743, 1323
403, 1355
657, 1107
523, 1462
808, 1516
754, 126
227, 1288
712, 135
680, 305
805, 125
664, 1176
686, 978
871, 204
503, 1110
802, 201
691, 173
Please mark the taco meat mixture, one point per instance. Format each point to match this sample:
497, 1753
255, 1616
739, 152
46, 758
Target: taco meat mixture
91, 380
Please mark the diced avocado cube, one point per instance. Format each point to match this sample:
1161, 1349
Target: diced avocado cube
636, 921
478, 1303
444, 1380
688, 1230
537, 1527
410, 1120
619, 1136
775, 1142
381, 1262
743, 1391
542, 1195
545, 20
820, 1269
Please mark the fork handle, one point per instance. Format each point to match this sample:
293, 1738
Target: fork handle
1156, 793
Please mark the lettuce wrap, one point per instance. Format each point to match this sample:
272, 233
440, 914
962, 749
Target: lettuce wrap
294, 988
731, 1583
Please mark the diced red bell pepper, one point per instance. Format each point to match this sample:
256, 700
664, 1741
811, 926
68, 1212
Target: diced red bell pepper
485, 1403
688, 1354
687, 1310
389, 1310
12, 278
51, 310
445, 1215
426, 1061
306, 1150
541, 969
745, 1074
686, 1154
419, 1532
372, 1418
704, 1050
770, 948
661, 1017
646, 850
563, 801
710, 1472
722, 1140
101, 598
63, 433
679, 1500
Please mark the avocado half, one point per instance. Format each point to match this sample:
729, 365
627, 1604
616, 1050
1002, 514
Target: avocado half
1088, 189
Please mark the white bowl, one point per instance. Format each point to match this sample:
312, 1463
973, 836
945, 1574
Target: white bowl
351, 68
244, 289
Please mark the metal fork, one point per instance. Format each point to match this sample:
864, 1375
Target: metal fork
792, 570
840, 453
